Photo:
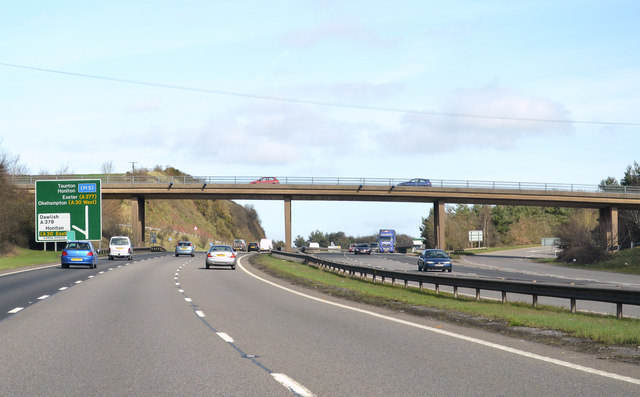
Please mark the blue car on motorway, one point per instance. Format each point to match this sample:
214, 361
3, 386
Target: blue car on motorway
79, 253
185, 248
434, 259
416, 182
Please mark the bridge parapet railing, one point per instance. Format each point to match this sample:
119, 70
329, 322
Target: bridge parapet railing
331, 181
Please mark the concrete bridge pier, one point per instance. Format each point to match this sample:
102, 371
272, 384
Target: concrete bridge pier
287, 224
438, 223
137, 220
609, 219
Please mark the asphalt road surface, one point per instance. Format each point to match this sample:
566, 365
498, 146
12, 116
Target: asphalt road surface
167, 326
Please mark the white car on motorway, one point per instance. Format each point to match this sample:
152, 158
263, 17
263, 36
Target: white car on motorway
120, 247
221, 255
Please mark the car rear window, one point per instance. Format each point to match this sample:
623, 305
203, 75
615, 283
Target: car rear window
185, 244
78, 246
221, 248
120, 241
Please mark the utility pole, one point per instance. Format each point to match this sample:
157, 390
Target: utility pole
133, 166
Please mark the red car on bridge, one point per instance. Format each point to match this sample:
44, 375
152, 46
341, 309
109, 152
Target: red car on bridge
266, 180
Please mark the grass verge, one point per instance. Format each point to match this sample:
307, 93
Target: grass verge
21, 257
626, 261
544, 323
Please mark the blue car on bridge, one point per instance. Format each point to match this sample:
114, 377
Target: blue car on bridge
416, 182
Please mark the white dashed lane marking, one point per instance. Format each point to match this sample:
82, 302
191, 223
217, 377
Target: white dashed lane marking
225, 337
14, 311
283, 379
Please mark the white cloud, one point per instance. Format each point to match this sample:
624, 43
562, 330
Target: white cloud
487, 117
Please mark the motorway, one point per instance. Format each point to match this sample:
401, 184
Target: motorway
161, 325
515, 265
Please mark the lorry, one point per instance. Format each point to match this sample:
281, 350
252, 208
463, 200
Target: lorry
387, 240
266, 244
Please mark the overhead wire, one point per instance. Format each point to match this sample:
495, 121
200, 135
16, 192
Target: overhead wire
314, 102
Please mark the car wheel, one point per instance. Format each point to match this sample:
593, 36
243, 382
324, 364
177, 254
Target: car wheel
450, 270
64, 266
110, 257
207, 265
192, 255
233, 267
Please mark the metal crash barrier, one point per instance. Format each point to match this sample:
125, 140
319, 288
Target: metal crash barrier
618, 295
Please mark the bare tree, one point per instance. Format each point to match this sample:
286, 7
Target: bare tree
64, 170
107, 167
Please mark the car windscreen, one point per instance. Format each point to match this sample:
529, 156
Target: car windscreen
436, 254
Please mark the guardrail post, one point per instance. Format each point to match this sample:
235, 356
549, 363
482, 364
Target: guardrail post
420, 285
535, 300
477, 294
573, 305
406, 283
437, 289
619, 310
455, 291
504, 297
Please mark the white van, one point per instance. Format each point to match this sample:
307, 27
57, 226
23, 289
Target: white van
266, 244
120, 247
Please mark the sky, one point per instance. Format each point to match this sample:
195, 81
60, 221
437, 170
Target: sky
528, 91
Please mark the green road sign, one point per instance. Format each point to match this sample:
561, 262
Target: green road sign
68, 206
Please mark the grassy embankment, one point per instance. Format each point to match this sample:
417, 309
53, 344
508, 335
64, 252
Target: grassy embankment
21, 257
604, 329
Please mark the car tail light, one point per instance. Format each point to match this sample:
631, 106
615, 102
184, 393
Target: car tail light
233, 255
64, 253
209, 255
90, 253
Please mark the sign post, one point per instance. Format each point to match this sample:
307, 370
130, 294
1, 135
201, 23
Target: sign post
68, 209
476, 235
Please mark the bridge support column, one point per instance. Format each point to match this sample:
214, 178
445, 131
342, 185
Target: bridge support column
438, 223
609, 219
287, 224
137, 220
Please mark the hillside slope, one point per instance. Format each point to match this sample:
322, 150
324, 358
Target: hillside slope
200, 221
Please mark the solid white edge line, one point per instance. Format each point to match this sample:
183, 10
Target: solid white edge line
225, 337
29, 269
458, 336
292, 385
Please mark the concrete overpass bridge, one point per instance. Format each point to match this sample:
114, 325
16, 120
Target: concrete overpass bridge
141, 188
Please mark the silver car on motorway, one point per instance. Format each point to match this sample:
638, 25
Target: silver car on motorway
221, 255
